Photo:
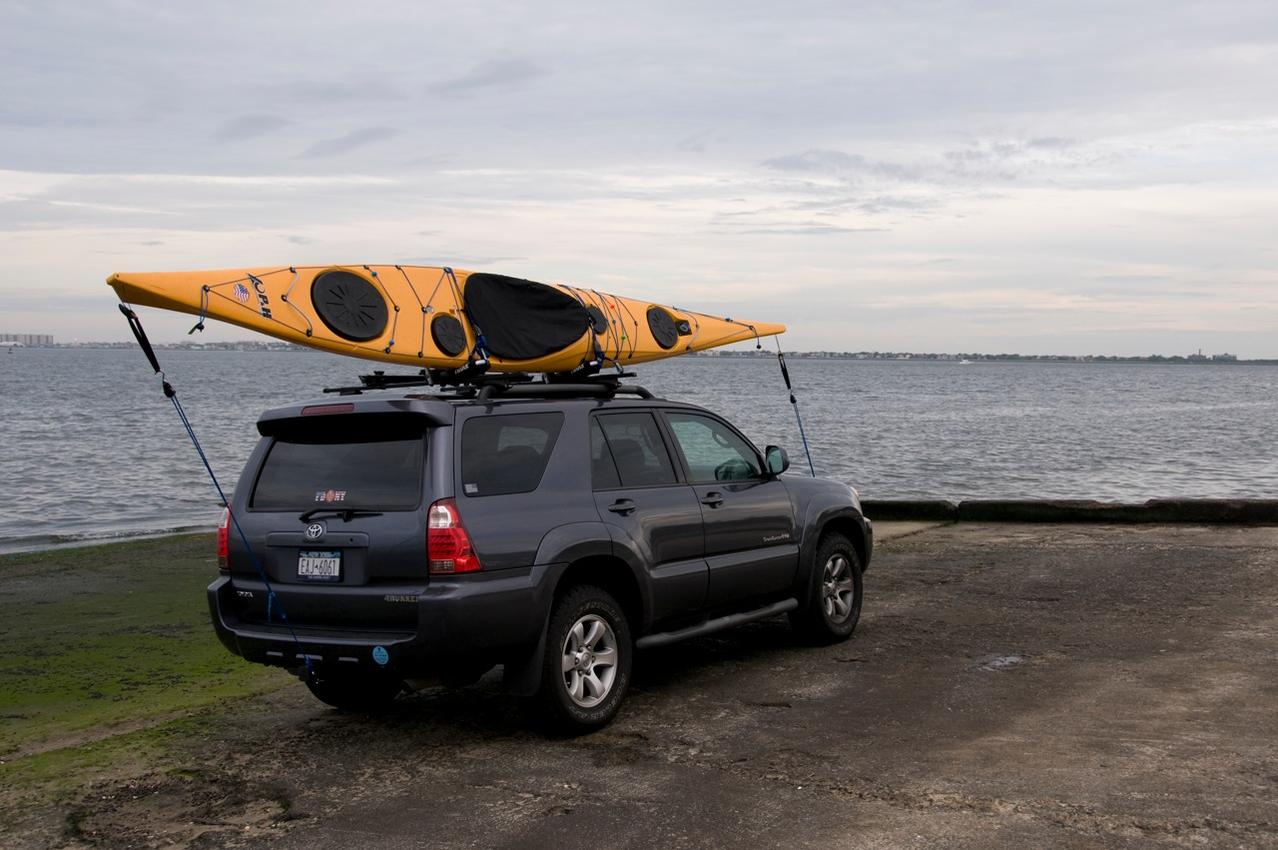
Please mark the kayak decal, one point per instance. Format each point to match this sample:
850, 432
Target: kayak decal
263, 303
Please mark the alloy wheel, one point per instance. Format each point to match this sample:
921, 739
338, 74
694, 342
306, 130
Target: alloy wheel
589, 660
837, 591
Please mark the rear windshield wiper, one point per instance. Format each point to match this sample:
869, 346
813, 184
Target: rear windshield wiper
347, 514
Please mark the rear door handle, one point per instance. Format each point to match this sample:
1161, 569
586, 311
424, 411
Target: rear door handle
622, 506
714, 499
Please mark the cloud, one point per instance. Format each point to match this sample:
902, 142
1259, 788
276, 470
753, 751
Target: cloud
838, 162
814, 229
870, 204
694, 143
251, 126
1035, 151
347, 142
332, 91
1051, 142
492, 73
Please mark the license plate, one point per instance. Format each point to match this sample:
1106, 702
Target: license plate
319, 566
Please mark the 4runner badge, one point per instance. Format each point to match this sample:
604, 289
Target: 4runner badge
315, 531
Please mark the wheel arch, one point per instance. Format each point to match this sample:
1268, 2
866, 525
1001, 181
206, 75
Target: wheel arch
612, 574
851, 528
841, 519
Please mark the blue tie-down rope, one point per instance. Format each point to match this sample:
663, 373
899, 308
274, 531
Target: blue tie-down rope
272, 600
794, 402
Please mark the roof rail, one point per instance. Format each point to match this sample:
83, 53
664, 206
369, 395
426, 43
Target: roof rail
485, 386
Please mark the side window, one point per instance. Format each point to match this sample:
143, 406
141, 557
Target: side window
637, 449
713, 451
507, 454
603, 471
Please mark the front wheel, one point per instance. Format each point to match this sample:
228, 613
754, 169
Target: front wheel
586, 668
832, 605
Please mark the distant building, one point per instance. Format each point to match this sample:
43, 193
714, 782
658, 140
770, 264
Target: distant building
27, 339
1226, 358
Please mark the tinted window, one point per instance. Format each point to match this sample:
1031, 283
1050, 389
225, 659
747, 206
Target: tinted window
603, 472
712, 450
637, 449
507, 454
303, 472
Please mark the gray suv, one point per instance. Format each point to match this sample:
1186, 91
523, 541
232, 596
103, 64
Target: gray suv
392, 539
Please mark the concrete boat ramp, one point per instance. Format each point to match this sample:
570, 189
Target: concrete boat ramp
1013, 686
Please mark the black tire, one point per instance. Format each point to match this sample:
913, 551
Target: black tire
827, 614
366, 693
597, 696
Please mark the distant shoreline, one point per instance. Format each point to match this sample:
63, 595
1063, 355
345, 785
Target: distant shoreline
906, 357
877, 356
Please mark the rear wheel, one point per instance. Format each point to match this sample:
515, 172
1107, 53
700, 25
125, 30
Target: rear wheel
832, 606
586, 668
350, 691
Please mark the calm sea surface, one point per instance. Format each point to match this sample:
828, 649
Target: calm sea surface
91, 449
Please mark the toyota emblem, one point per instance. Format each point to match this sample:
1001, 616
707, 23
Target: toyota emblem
315, 531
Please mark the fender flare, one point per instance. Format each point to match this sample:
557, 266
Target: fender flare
560, 547
817, 518
573, 541
625, 550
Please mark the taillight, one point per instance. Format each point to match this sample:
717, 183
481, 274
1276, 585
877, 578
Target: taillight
447, 543
223, 541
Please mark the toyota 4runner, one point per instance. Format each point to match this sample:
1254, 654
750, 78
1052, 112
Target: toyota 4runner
385, 540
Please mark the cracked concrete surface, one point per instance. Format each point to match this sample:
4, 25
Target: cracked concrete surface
1009, 686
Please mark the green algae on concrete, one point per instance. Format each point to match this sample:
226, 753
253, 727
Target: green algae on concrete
104, 640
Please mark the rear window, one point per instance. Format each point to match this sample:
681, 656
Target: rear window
367, 471
507, 454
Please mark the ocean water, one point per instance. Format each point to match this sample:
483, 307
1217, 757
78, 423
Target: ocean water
91, 449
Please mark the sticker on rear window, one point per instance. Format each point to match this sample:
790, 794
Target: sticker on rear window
471, 489
330, 496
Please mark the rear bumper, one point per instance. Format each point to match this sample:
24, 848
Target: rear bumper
484, 618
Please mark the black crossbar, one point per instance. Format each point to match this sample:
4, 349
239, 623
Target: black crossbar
485, 385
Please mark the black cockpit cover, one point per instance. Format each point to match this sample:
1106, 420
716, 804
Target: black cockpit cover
521, 319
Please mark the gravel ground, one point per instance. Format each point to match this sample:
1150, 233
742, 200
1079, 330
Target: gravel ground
1009, 686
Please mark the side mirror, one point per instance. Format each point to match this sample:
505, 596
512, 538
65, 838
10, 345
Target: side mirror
776, 459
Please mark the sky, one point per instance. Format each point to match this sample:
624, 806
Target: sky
1044, 178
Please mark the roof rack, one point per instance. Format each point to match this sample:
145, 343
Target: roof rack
485, 386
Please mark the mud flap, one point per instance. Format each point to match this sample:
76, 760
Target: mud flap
521, 676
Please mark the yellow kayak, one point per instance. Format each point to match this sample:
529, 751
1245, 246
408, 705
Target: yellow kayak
439, 318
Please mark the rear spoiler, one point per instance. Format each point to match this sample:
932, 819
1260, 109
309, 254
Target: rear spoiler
363, 416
